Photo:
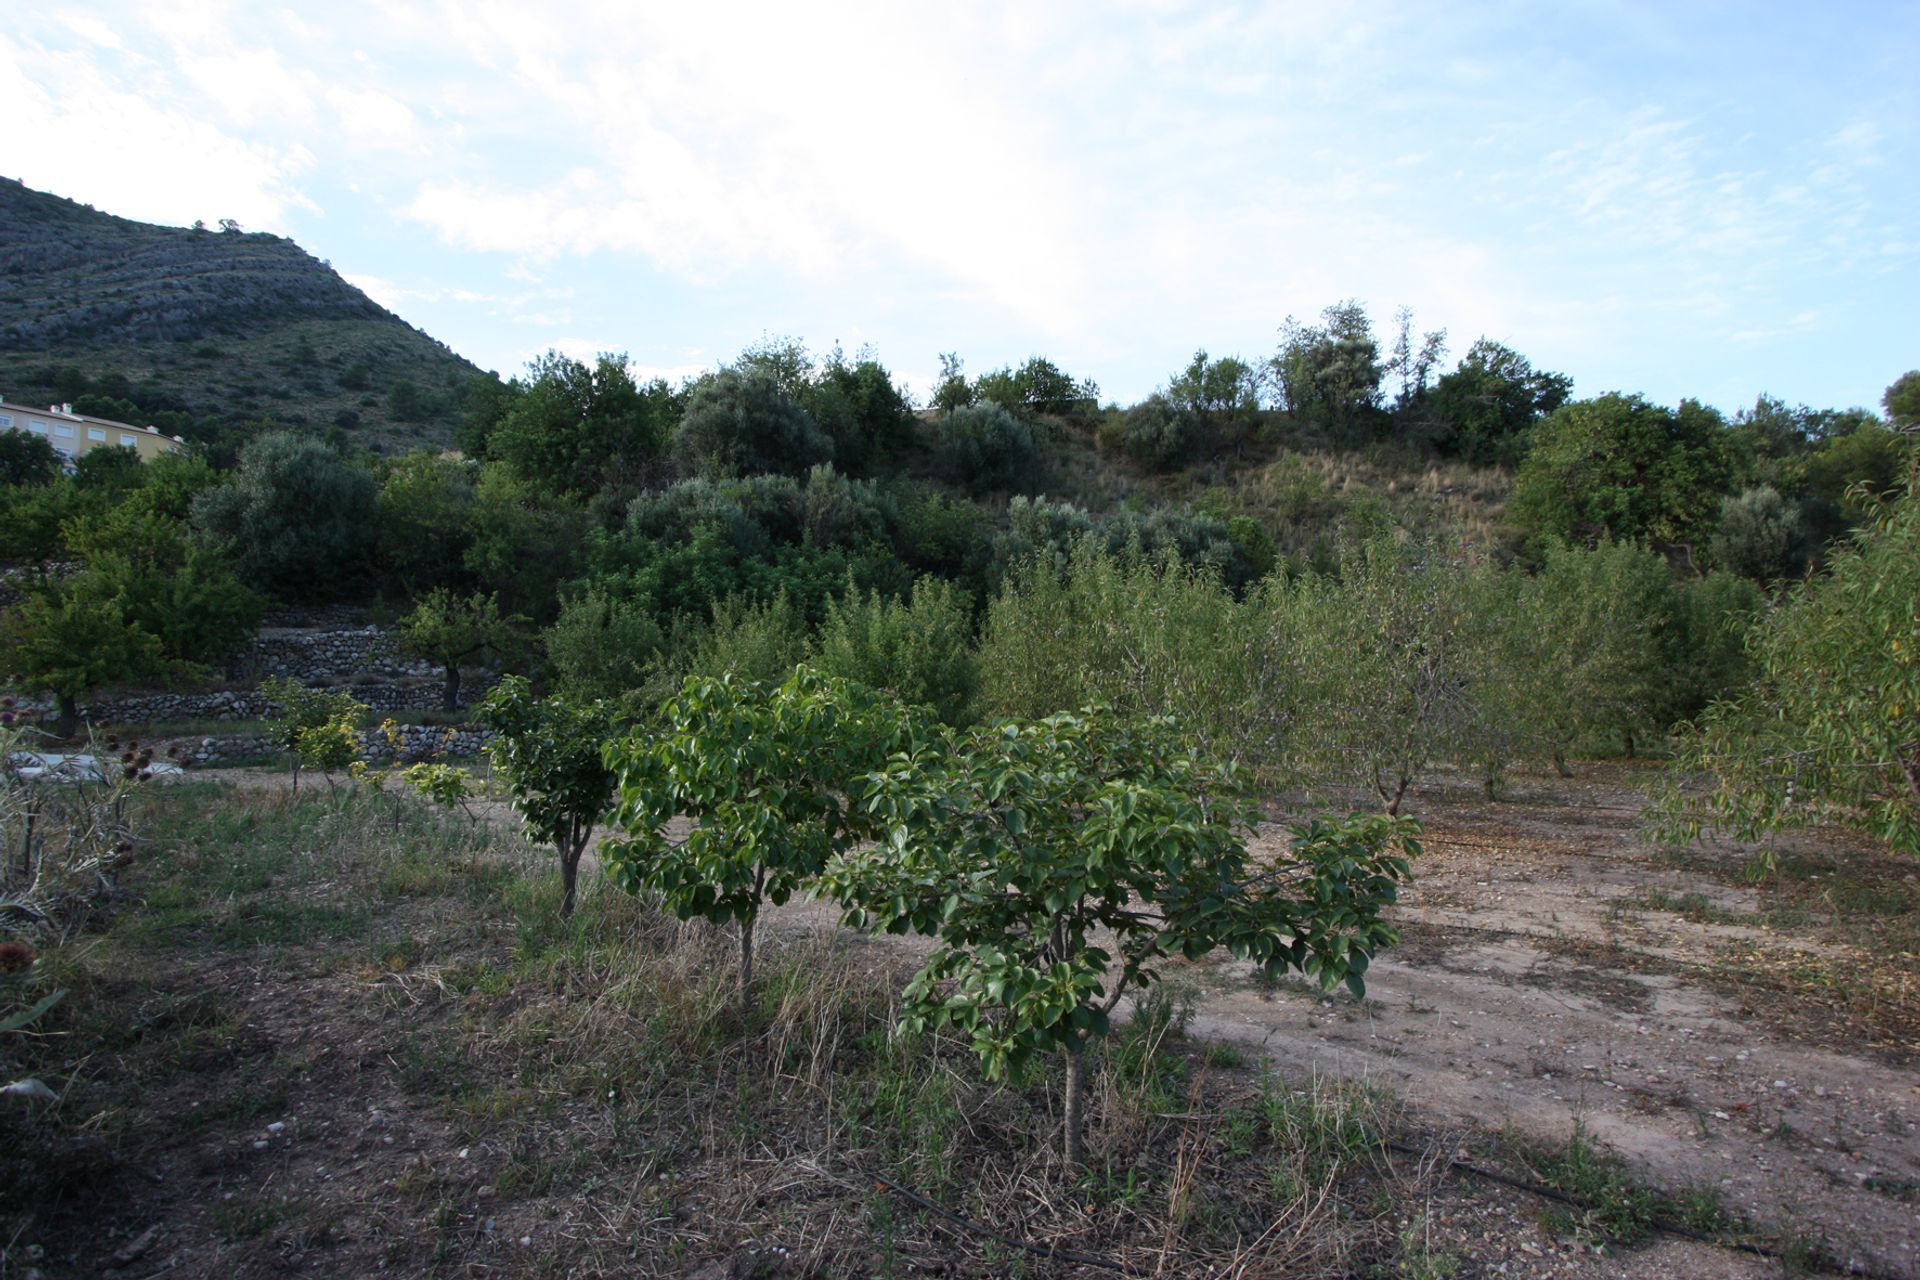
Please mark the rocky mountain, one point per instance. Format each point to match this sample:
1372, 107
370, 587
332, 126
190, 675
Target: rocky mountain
219, 330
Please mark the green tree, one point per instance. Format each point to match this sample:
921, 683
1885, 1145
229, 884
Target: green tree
953, 391
72, 638
1902, 401
1158, 433
577, 429
1484, 409
1061, 862
26, 459
316, 728
449, 630
858, 407
526, 541
1381, 661
1761, 536
1617, 467
169, 583
300, 518
548, 752
744, 422
772, 778
1145, 635
919, 650
1594, 646
604, 647
1329, 374
426, 508
1830, 729
750, 640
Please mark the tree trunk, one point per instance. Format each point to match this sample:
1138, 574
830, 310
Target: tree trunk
450, 698
1629, 737
570, 851
746, 966
1560, 764
1076, 1105
68, 715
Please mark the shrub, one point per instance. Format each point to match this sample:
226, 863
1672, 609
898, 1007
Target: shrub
985, 447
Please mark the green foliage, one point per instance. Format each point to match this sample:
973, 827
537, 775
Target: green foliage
1038, 386
1140, 634
445, 784
744, 422
859, 409
1619, 468
72, 638
1218, 392
1830, 728
1590, 644
1487, 405
1902, 401
1329, 374
1761, 536
1061, 862
300, 518
426, 512
986, 447
26, 459
1380, 658
771, 777
114, 470
319, 729
1157, 433
449, 630
525, 541
750, 641
700, 541
919, 650
169, 583
604, 647
576, 429
548, 752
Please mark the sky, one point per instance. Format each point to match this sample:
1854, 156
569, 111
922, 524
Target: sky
1678, 199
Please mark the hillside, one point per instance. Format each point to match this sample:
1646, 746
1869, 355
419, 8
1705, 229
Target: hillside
225, 327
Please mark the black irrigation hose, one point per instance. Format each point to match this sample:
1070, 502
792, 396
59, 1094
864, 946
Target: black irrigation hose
1657, 1224
1038, 1250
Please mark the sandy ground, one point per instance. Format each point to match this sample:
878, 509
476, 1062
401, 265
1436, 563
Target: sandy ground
1536, 991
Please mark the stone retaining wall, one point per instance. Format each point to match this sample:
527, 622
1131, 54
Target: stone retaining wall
417, 742
159, 708
311, 656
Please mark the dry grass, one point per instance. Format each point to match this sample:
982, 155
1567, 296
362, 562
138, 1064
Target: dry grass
453, 1070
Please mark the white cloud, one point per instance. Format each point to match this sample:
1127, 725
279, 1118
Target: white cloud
75, 130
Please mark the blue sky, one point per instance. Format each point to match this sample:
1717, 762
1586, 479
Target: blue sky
1709, 200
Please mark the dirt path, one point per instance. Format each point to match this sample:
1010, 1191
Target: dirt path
1546, 982
1537, 988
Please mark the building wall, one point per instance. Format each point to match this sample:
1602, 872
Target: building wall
73, 434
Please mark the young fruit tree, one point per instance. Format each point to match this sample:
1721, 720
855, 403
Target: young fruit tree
1061, 862
771, 778
317, 729
548, 751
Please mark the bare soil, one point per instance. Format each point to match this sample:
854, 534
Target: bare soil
1538, 987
